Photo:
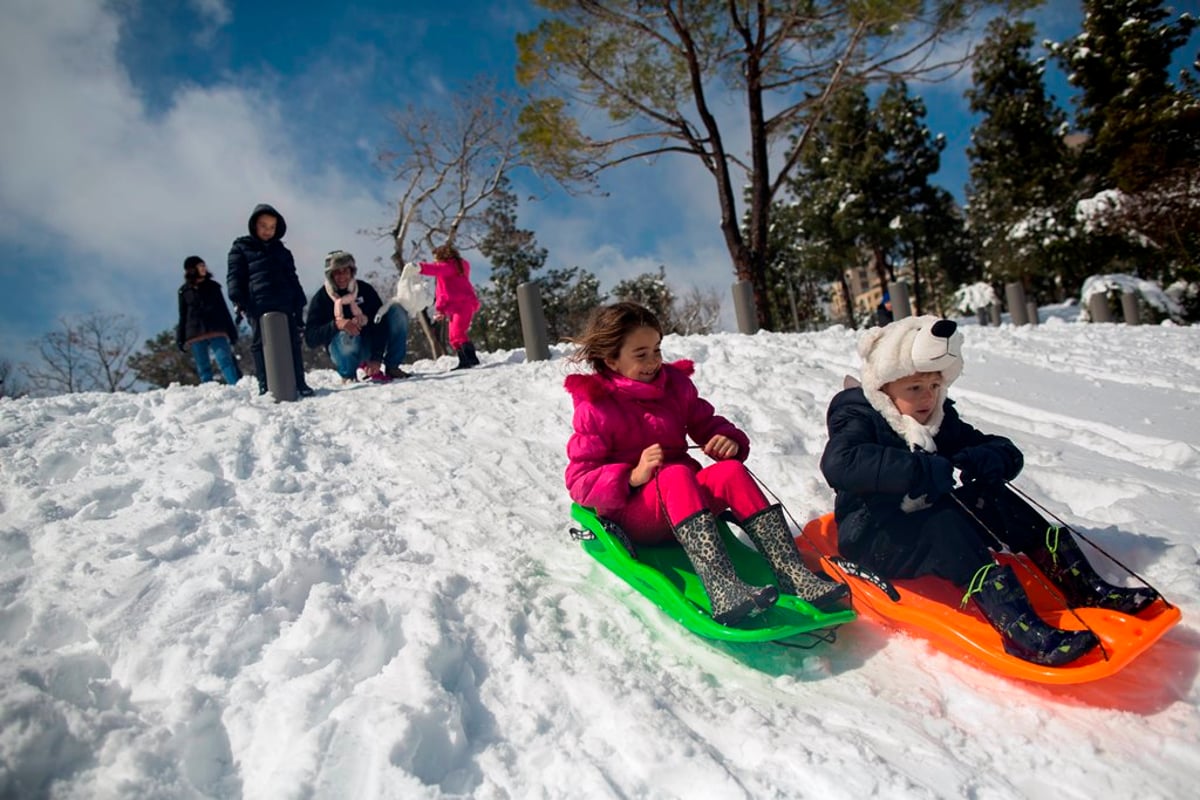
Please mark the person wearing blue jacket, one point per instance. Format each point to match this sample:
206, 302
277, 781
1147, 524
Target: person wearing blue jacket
262, 277
895, 440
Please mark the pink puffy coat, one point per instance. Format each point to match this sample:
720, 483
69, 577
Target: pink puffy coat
453, 293
616, 418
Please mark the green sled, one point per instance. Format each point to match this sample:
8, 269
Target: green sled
665, 576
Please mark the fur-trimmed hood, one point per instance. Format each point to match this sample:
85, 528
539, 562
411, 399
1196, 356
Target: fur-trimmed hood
902, 348
591, 386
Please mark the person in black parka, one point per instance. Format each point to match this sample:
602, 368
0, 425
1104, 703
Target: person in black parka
894, 442
205, 326
262, 277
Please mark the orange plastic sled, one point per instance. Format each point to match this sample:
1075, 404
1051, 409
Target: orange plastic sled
929, 607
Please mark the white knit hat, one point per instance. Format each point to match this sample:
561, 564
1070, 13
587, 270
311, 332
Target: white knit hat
906, 347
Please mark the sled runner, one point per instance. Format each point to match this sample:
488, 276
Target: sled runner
929, 607
665, 576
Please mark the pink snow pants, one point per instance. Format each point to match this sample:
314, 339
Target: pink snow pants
725, 484
458, 326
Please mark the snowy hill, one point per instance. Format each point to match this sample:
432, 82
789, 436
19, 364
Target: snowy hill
373, 594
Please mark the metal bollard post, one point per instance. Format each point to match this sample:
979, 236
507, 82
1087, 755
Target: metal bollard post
981, 314
277, 355
1014, 295
743, 307
994, 313
1129, 308
901, 307
1098, 308
533, 322
1031, 309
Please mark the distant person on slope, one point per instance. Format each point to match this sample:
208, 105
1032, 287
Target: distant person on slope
262, 277
883, 311
454, 300
629, 461
894, 442
341, 317
205, 327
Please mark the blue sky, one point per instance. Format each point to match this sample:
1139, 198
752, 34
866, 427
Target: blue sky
141, 132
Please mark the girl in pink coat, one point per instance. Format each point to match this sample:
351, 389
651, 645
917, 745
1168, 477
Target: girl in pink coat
454, 299
628, 459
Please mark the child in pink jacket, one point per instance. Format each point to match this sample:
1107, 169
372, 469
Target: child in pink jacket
629, 461
454, 299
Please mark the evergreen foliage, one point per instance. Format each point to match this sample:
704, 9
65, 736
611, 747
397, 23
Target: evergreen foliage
1019, 195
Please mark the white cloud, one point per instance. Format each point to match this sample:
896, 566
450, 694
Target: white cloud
116, 196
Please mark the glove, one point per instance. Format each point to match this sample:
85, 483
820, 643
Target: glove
981, 463
936, 477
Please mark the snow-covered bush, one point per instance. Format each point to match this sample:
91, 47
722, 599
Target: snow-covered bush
1154, 305
1187, 295
968, 300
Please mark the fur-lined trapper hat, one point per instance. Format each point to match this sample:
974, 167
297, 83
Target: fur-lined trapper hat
337, 259
346, 299
906, 347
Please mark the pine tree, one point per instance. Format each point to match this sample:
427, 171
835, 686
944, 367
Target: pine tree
515, 257
650, 290
161, 363
1138, 124
1018, 195
1142, 155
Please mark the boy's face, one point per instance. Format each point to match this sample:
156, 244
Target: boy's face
264, 226
640, 357
916, 396
341, 277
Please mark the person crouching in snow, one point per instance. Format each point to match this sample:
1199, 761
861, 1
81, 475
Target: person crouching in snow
629, 461
341, 317
894, 442
454, 300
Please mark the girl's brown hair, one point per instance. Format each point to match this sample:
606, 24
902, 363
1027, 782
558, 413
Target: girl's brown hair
448, 252
607, 328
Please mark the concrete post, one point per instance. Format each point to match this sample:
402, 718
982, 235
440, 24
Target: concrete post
994, 313
1129, 308
277, 355
1031, 309
898, 292
1098, 308
533, 322
1014, 295
743, 307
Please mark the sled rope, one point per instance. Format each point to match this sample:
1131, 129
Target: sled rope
1080, 536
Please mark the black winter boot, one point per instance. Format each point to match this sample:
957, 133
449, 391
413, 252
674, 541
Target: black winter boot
466, 356
769, 531
1026, 635
1064, 563
731, 599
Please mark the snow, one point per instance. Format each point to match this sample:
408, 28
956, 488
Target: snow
373, 593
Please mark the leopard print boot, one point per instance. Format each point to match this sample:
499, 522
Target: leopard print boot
769, 531
732, 600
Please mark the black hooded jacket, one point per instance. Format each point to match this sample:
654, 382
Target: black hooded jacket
262, 275
872, 469
202, 312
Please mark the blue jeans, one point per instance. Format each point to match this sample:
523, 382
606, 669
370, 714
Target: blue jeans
220, 350
389, 336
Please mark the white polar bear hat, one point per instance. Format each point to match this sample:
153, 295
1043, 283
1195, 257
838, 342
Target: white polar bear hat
903, 348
